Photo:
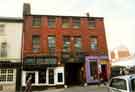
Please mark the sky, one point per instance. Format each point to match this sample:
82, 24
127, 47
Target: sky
119, 15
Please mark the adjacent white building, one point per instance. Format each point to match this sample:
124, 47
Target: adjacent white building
10, 53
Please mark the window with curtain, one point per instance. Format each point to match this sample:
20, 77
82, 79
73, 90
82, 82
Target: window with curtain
65, 23
66, 43
93, 42
51, 44
3, 49
35, 43
51, 22
77, 43
36, 21
76, 23
91, 23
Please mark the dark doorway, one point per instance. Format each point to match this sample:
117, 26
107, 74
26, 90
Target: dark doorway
72, 73
104, 71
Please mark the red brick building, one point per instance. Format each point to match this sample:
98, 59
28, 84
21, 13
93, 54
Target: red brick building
55, 47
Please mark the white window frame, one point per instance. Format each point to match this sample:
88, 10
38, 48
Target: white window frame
14, 76
24, 77
59, 70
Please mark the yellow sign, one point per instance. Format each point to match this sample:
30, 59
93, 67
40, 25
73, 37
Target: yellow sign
103, 62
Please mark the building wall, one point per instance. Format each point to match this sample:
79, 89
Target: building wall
84, 32
13, 36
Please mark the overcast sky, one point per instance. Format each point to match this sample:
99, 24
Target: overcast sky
119, 15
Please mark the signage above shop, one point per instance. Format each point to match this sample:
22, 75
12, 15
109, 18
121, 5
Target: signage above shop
40, 60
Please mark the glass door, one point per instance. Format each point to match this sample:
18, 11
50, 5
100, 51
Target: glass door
51, 76
93, 70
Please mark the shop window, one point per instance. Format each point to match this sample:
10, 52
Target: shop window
28, 74
51, 76
6, 75
36, 21
65, 23
60, 77
93, 70
76, 23
35, 43
51, 22
42, 76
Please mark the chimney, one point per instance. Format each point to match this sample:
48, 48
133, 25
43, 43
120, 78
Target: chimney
87, 14
26, 9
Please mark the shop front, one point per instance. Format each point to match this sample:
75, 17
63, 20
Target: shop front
10, 76
44, 71
96, 68
74, 68
105, 67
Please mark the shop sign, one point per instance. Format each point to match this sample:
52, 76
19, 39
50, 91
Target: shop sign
40, 60
103, 62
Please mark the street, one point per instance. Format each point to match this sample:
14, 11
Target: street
89, 88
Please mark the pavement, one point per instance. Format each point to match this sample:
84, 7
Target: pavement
89, 88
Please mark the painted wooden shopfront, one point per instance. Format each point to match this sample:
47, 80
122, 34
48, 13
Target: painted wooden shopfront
96, 66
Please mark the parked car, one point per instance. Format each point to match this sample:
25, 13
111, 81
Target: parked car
124, 83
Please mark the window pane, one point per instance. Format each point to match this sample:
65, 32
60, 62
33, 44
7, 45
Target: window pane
2, 78
51, 76
93, 70
33, 76
93, 42
3, 49
3, 71
35, 43
51, 41
42, 76
10, 71
78, 44
10, 78
60, 77
36, 21
133, 85
119, 84
76, 23
51, 22
66, 41
91, 23
65, 23
6, 75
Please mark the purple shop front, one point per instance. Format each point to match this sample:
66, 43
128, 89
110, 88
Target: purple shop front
95, 65
92, 69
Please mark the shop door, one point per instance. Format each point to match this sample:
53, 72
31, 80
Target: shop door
93, 70
51, 76
104, 71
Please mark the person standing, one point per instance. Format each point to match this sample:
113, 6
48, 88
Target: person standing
81, 76
28, 84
